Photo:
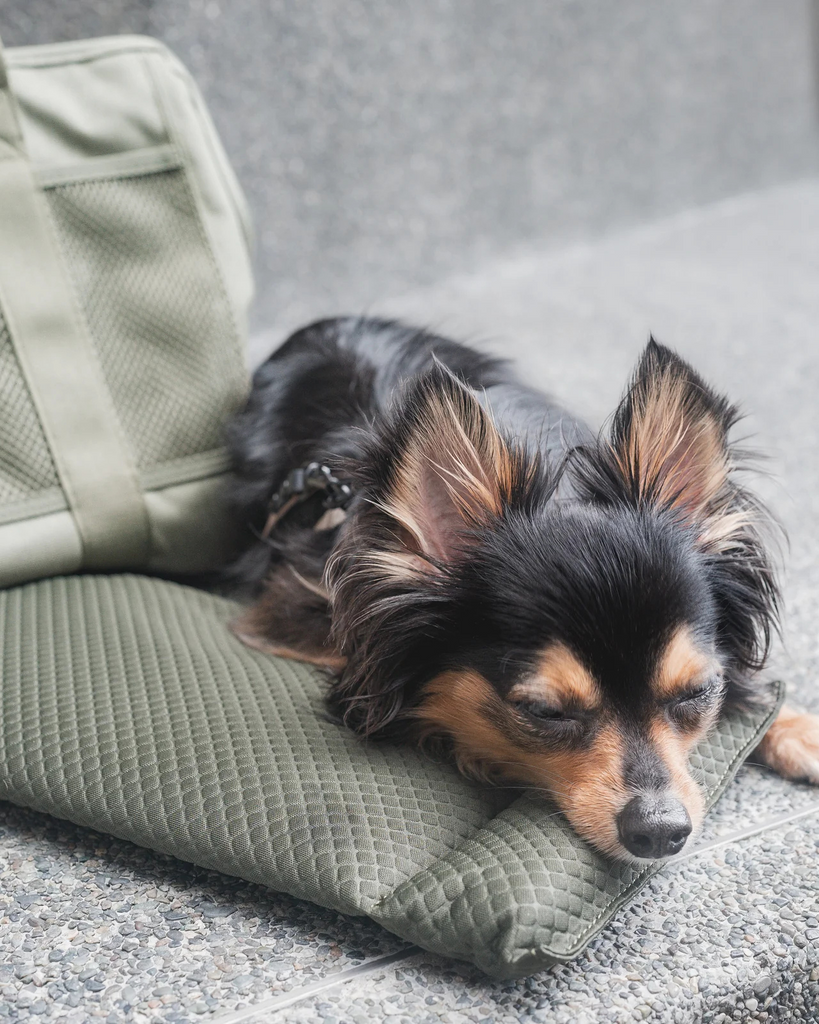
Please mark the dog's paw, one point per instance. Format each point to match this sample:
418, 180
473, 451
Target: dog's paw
791, 746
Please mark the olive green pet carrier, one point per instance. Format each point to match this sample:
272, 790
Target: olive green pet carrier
124, 283
125, 702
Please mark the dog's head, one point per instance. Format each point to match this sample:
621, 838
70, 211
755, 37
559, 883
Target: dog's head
574, 631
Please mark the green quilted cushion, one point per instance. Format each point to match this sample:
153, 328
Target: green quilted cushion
127, 705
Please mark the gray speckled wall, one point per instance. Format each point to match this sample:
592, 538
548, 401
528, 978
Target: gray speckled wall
385, 145
49, 21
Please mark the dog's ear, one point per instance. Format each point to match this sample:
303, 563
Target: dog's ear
669, 450
670, 436
438, 474
668, 446
450, 471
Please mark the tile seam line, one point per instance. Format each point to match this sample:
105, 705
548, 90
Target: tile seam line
314, 988
305, 992
747, 833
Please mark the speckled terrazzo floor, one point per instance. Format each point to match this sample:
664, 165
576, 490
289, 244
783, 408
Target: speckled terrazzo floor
93, 928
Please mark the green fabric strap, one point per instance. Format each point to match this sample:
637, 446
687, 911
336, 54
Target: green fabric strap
60, 366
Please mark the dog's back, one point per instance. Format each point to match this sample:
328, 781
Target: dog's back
315, 398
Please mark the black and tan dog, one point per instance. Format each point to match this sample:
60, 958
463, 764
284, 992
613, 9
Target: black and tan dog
567, 611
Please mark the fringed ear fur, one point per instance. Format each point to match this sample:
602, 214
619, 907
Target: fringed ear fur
669, 450
452, 471
670, 436
439, 473
291, 619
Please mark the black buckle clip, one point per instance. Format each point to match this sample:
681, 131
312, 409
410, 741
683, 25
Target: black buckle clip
300, 485
305, 481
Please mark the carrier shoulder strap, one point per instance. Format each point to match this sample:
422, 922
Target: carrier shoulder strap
60, 365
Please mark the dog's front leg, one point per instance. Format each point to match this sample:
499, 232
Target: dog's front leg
791, 745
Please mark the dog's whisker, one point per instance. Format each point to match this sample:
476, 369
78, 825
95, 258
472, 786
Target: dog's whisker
534, 789
761, 764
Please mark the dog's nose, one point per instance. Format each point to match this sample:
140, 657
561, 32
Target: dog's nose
653, 827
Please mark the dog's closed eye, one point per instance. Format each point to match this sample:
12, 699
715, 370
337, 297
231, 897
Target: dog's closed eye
692, 695
553, 723
546, 715
543, 712
689, 708
700, 694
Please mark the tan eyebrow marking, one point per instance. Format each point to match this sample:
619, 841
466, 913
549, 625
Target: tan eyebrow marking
561, 679
682, 666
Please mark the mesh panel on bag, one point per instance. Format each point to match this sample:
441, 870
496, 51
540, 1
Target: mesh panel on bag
26, 467
155, 308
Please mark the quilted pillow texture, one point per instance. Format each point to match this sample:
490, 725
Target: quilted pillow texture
126, 705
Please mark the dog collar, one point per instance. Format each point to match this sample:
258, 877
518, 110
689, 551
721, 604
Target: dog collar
301, 484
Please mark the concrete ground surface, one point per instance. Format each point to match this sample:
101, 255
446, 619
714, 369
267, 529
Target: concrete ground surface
94, 928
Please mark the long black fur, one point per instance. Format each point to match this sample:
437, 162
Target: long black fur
576, 554
318, 398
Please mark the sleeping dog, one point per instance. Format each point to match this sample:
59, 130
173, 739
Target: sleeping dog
474, 567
